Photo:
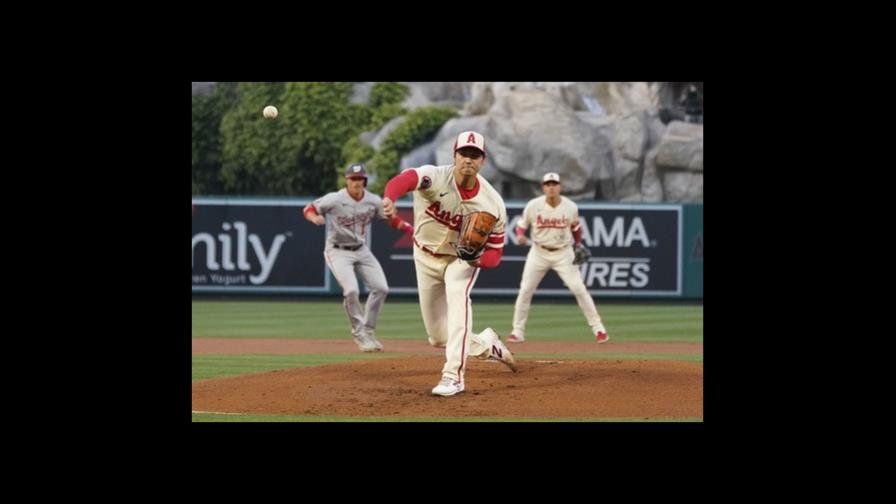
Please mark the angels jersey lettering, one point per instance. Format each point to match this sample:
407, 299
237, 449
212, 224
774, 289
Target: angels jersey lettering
550, 225
439, 209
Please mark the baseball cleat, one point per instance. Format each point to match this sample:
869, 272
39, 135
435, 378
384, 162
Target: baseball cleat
376, 342
366, 345
448, 387
602, 337
513, 338
499, 351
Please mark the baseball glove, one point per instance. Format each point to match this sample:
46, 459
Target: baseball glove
582, 254
474, 231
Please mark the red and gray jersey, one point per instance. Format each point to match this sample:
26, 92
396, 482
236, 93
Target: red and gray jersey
349, 219
551, 226
439, 209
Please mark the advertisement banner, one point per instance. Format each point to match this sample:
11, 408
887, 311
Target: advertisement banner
635, 252
262, 246
265, 245
692, 255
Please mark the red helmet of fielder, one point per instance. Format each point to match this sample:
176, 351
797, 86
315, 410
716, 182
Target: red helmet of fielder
469, 139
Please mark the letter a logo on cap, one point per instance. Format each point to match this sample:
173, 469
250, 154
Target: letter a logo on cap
469, 139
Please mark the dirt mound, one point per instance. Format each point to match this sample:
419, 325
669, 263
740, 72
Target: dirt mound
400, 388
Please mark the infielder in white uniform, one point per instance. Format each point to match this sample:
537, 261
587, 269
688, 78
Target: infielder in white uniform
555, 221
350, 212
442, 196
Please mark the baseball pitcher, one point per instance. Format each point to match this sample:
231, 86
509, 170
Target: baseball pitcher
350, 212
555, 221
459, 220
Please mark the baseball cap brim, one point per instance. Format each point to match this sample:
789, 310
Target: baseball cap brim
459, 147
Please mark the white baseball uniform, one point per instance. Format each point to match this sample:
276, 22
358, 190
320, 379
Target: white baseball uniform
444, 281
552, 229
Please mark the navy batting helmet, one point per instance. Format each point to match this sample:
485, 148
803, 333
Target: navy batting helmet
356, 171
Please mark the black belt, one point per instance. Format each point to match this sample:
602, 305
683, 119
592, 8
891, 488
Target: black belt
348, 247
551, 249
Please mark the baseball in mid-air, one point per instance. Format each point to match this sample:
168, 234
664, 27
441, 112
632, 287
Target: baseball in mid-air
270, 112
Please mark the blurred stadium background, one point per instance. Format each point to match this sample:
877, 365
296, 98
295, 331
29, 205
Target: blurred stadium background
630, 154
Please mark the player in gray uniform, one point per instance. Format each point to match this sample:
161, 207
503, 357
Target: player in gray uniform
350, 212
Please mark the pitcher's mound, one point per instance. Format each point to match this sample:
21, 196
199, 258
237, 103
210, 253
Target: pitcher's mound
400, 388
